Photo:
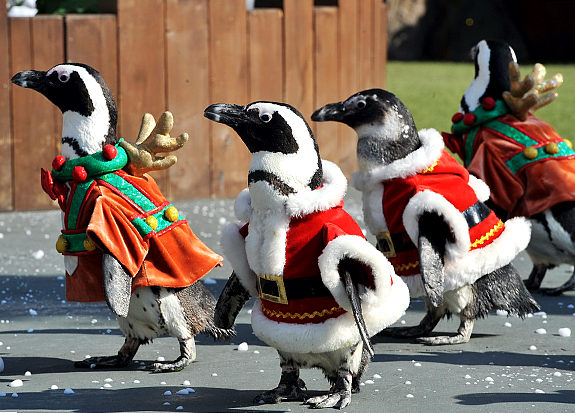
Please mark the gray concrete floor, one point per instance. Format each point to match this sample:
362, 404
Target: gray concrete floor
506, 367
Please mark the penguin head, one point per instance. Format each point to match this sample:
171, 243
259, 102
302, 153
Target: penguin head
491, 58
285, 155
385, 128
88, 108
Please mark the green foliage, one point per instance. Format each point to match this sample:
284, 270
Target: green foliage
432, 92
66, 6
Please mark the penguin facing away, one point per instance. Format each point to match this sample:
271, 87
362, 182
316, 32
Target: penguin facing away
122, 241
321, 289
526, 163
427, 214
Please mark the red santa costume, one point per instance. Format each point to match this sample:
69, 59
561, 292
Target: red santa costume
430, 180
288, 257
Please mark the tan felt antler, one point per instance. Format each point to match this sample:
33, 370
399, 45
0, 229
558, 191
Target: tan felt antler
532, 92
153, 139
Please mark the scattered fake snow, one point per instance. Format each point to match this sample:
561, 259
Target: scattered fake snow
369, 382
186, 383
565, 332
541, 331
539, 391
214, 374
409, 396
209, 281
17, 383
532, 348
167, 393
489, 379
180, 408
243, 346
28, 373
68, 391
507, 324
38, 255
557, 374
1, 365
160, 358
501, 312
53, 387
376, 376
33, 312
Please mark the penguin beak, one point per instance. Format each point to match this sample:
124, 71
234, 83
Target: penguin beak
332, 111
231, 115
31, 79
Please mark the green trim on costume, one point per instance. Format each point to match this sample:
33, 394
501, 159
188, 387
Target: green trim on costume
95, 165
163, 223
481, 116
511, 132
469, 141
519, 161
129, 190
76, 203
75, 242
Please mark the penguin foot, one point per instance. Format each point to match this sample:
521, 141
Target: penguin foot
404, 332
283, 392
177, 365
443, 340
103, 362
338, 397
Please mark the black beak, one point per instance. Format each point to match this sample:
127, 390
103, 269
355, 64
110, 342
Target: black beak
31, 79
231, 115
332, 111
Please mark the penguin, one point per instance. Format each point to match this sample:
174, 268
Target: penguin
112, 251
321, 289
429, 219
529, 188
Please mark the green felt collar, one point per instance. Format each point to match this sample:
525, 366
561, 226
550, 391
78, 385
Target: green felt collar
481, 116
95, 165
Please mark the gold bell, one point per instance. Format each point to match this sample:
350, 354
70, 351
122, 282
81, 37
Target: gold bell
171, 214
89, 245
152, 222
568, 143
552, 148
530, 153
61, 244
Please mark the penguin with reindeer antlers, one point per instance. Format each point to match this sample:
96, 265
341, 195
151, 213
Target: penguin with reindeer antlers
122, 241
528, 166
429, 218
322, 290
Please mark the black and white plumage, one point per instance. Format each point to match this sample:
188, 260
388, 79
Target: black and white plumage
288, 182
553, 230
89, 122
451, 276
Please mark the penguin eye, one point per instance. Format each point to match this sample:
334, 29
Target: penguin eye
265, 117
63, 77
360, 104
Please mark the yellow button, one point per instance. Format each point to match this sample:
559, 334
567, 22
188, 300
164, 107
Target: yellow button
89, 245
171, 214
530, 153
568, 143
552, 148
152, 222
61, 244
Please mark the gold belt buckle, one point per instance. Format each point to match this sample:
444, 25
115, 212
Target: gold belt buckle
385, 244
281, 297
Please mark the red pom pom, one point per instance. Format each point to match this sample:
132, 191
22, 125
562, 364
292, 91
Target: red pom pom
109, 152
488, 103
469, 119
79, 174
58, 162
456, 118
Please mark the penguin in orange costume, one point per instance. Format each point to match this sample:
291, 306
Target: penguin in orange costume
322, 290
528, 166
122, 241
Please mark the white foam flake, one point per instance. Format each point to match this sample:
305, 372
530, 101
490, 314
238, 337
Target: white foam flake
167, 393
109, 380
407, 382
532, 348
503, 313
557, 374
417, 364
214, 374
541, 331
369, 382
16, 383
160, 358
508, 324
183, 392
32, 312
28, 373
376, 376
180, 408
14, 394
186, 383
53, 387
243, 346
38, 255
68, 391
409, 396
489, 379
137, 381
539, 391
565, 332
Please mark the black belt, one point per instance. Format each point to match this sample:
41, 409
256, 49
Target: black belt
277, 289
476, 213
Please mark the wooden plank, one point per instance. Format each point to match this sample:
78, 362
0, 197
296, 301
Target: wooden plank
229, 84
348, 37
5, 117
188, 94
299, 51
141, 65
381, 42
266, 54
365, 49
92, 39
326, 78
35, 44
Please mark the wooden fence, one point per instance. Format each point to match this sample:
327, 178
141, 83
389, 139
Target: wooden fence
182, 55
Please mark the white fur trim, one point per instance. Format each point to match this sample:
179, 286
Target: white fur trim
429, 201
380, 307
481, 261
422, 158
334, 186
234, 247
243, 205
481, 189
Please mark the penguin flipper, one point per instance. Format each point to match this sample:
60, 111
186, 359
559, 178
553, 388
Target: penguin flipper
433, 233
117, 285
230, 303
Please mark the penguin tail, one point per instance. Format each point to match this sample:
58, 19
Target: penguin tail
219, 333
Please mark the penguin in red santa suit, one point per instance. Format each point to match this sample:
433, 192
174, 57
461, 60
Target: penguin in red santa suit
429, 218
322, 290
